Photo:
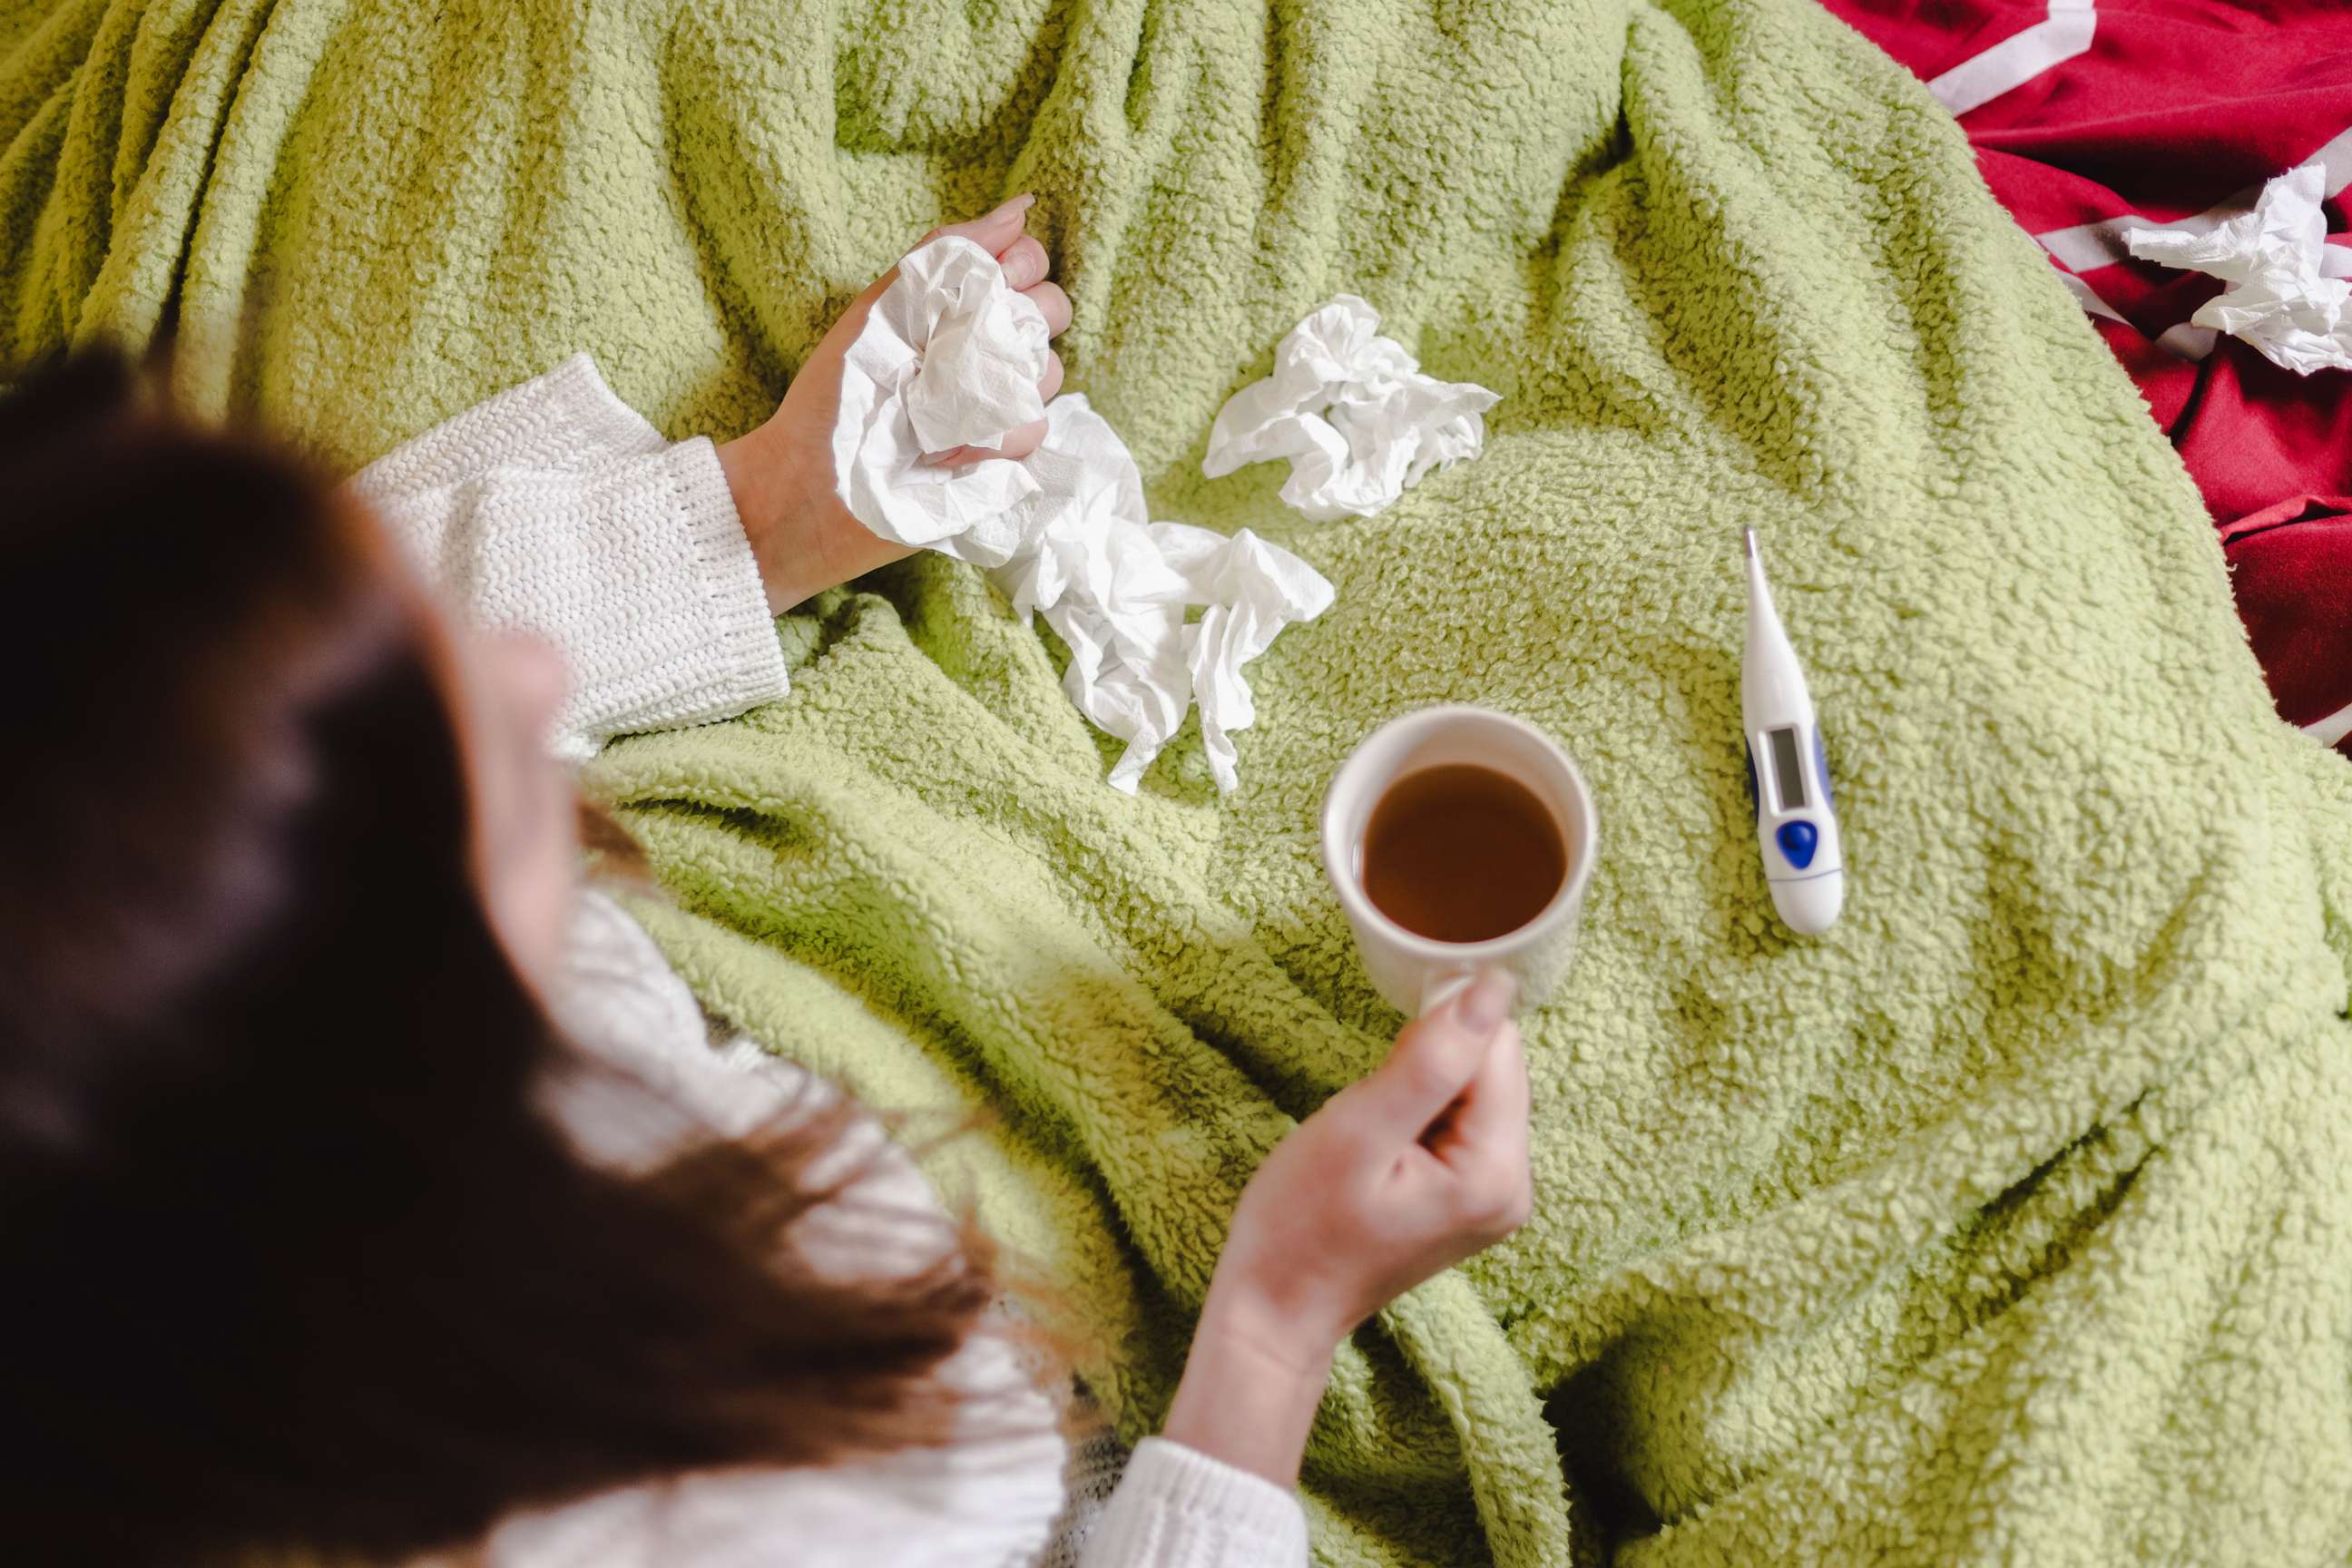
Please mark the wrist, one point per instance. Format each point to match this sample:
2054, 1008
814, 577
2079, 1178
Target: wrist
780, 517
1283, 1333
1250, 1389
802, 538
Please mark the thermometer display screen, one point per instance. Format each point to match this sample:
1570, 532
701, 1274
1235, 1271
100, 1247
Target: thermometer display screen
1788, 772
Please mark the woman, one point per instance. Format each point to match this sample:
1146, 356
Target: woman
368, 1190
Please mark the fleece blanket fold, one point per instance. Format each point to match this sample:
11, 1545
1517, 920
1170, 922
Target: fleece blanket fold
2005, 1223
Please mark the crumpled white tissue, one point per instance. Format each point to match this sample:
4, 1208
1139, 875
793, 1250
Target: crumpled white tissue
950, 357
1352, 412
2278, 298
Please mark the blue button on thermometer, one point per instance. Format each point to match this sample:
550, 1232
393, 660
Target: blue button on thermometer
1788, 770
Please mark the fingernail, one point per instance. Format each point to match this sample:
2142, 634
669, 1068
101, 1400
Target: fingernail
1487, 1005
1020, 204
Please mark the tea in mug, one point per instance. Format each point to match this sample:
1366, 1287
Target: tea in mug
1462, 853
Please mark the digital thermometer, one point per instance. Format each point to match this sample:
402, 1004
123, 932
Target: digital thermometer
1788, 771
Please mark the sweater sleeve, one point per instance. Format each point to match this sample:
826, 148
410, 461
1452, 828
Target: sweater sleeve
1176, 1508
556, 508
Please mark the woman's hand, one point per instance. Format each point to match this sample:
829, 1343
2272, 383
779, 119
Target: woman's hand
1414, 1168
805, 539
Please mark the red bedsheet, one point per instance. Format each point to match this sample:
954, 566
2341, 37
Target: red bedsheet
2090, 116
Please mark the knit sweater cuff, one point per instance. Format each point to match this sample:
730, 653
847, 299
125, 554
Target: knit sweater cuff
1177, 1507
554, 508
746, 664
641, 574
566, 419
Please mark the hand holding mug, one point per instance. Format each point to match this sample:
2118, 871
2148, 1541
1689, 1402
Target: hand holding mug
1459, 842
1402, 1174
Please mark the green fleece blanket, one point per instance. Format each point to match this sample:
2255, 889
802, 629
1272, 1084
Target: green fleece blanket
2007, 1223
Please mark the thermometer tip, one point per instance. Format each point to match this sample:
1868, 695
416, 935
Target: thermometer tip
1747, 538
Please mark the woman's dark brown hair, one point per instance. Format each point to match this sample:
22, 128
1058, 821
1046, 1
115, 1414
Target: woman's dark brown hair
290, 1257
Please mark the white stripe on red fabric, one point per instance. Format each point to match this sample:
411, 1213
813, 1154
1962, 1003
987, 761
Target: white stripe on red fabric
2187, 342
2332, 728
2086, 297
2088, 246
2017, 60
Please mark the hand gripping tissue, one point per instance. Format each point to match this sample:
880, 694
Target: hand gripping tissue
950, 356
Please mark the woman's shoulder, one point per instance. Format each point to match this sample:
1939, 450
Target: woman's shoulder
662, 1079
989, 1500
992, 1495
627, 1013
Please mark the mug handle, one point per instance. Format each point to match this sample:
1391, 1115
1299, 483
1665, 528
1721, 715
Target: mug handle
1443, 985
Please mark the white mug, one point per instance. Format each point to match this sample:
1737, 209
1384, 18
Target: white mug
1419, 974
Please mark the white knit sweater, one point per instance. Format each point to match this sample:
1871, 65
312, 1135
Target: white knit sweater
556, 508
